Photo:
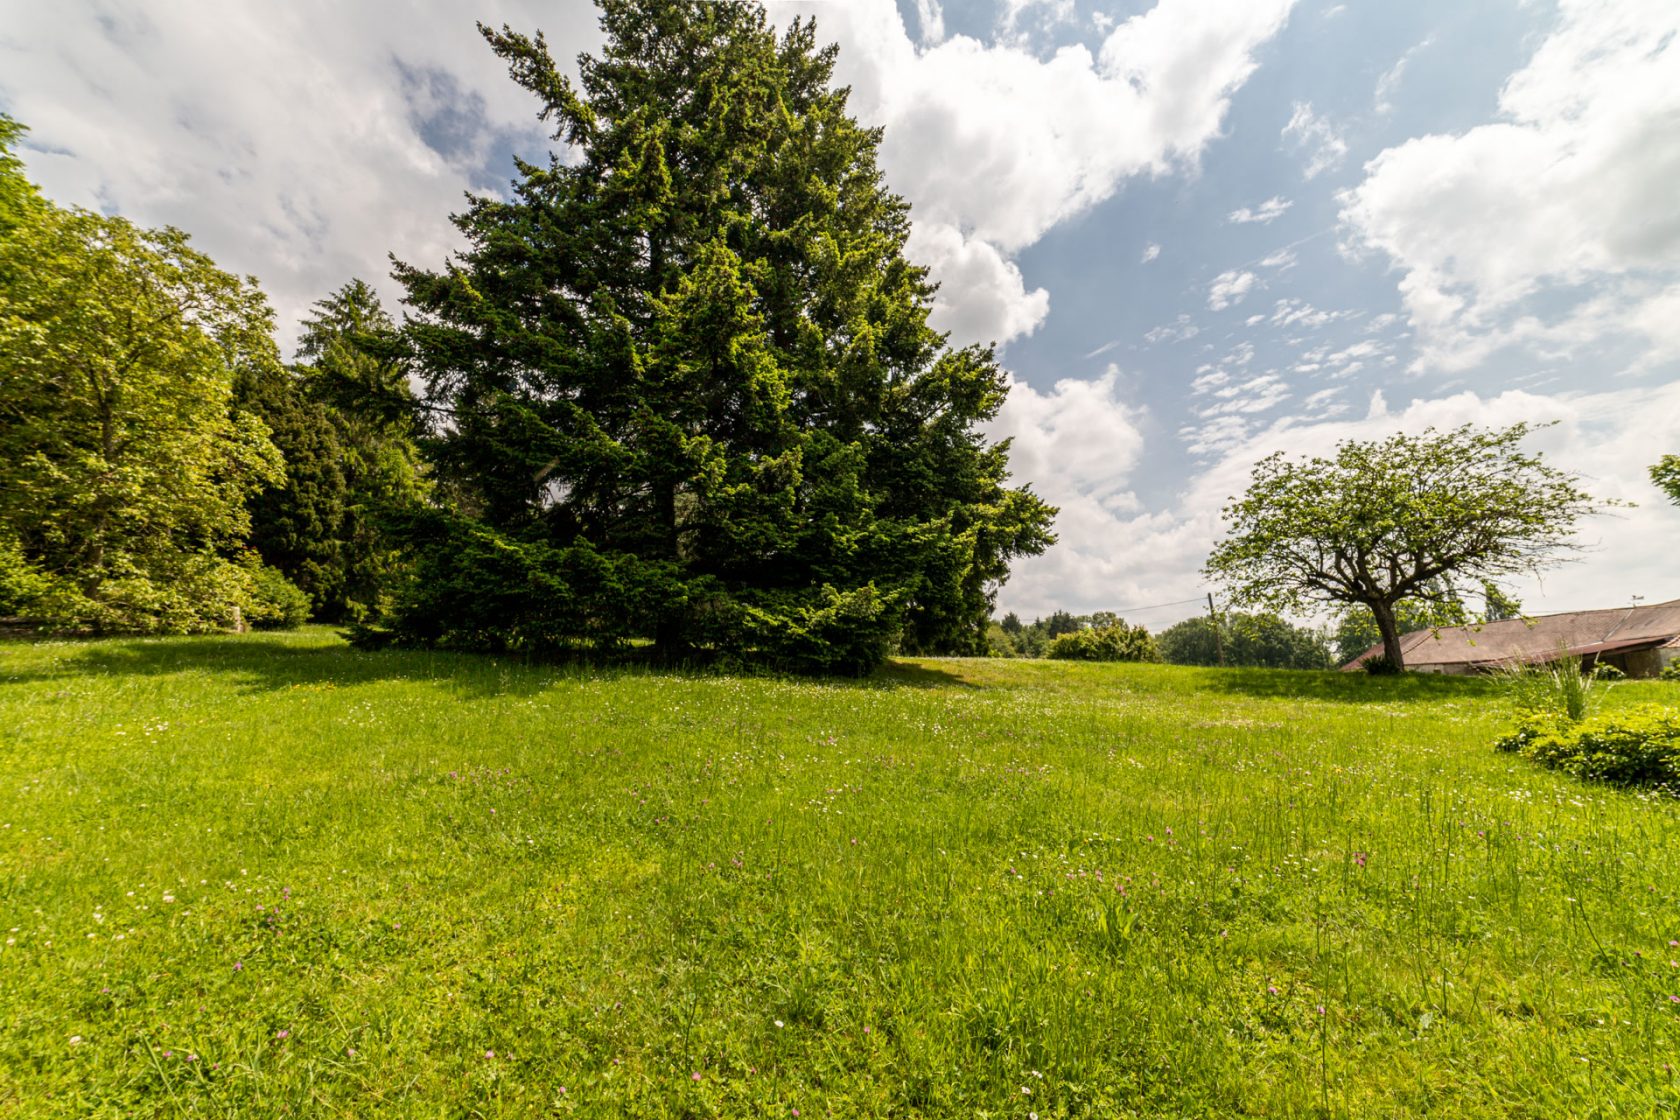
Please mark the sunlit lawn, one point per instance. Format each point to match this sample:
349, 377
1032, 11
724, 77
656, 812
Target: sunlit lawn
270, 875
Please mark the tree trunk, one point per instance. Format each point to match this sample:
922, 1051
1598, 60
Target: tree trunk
670, 644
1389, 628
95, 575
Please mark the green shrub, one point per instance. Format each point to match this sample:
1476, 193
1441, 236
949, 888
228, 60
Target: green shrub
474, 588
1380, 665
1670, 672
181, 592
1639, 746
22, 585
276, 602
1113, 642
999, 642
847, 633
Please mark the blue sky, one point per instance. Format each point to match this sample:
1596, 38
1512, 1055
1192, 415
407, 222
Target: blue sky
1116, 306
1201, 230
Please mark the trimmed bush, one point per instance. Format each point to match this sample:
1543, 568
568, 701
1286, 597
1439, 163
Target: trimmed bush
276, 602
1114, 642
1638, 746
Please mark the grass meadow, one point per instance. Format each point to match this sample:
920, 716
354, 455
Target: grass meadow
269, 875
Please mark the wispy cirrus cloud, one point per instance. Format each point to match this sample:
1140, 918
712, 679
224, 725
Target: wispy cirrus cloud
1266, 213
1316, 139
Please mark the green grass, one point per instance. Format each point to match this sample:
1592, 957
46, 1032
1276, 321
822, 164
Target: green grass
270, 875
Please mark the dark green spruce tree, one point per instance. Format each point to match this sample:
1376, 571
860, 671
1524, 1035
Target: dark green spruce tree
296, 524
344, 418
353, 366
686, 385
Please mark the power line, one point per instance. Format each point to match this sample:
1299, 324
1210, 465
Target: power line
1156, 606
1153, 606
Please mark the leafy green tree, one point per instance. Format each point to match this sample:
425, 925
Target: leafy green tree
1395, 520
20, 200
686, 377
1356, 628
1259, 640
1666, 475
1497, 604
124, 467
356, 367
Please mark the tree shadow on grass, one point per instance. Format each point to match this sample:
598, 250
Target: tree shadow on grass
273, 662
268, 662
903, 674
1348, 688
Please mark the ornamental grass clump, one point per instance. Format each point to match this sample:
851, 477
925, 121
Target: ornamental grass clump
1558, 689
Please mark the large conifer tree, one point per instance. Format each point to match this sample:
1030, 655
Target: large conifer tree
344, 417
687, 383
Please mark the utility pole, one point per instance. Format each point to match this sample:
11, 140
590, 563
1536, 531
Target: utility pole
1218, 637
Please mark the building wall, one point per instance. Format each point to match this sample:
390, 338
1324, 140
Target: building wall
1635, 662
1642, 663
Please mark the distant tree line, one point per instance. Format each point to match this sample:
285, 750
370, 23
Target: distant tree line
1251, 639
1237, 639
1101, 636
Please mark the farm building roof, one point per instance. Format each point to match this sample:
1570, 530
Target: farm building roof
1540, 638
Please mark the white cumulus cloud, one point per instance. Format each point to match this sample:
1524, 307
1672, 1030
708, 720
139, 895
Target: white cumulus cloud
981, 296
994, 141
333, 134
298, 142
1572, 188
